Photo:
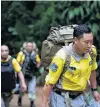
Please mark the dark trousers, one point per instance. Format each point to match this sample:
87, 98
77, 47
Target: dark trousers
7, 97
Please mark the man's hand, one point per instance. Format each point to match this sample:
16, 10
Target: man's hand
46, 93
44, 105
23, 87
22, 81
38, 65
96, 95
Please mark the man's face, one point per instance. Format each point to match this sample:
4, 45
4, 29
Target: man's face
29, 47
4, 52
84, 44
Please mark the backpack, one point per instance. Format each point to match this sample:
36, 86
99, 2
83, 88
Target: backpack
58, 37
8, 79
29, 66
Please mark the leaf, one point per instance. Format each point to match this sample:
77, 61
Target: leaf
88, 3
87, 11
98, 15
14, 33
21, 28
95, 4
49, 11
81, 12
64, 13
76, 11
90, 26
71, 14
95, 28
11, 29
30, 26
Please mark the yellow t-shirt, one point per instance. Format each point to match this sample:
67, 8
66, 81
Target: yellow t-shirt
37, 58
21, 57
74, 78
15, 64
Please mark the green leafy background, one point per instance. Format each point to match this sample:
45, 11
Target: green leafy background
31, 20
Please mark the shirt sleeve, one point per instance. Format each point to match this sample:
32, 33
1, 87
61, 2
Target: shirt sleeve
20, 57
16, 65
94, 65
55, 70
56, 67
37, 58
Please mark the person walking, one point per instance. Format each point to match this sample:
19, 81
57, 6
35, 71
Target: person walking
66, 83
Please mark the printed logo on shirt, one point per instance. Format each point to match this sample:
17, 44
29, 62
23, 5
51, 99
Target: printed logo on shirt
53, 67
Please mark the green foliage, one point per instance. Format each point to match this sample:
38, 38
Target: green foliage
31, 20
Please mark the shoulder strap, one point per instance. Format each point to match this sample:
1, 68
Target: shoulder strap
10, 63
67, 51
10, 60
24, 53
91, 53
33, 53
33, 57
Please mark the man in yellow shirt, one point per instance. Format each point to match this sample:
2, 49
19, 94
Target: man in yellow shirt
9, 66
30, 61
66, 86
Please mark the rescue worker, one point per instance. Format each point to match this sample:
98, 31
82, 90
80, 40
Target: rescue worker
66, 86
9, 66
30, 61
16, 90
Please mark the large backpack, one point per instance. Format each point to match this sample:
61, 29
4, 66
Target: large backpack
8, 79
58, 37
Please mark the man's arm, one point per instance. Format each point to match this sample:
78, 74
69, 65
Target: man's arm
93, 79
94, 85
55, 71
93, 82
22, 80
46, 93
17, 68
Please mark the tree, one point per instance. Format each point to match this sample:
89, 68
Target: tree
31, 20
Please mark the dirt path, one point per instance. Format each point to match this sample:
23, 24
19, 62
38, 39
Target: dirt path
26, 102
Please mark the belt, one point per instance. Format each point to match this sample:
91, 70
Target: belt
72, 94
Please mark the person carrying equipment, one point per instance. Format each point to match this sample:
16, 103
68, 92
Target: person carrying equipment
9, 66
30, 62
70, 71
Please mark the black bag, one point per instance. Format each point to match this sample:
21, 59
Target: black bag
7, 82
8, 79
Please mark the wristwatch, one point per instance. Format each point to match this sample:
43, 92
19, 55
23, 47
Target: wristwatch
94, 89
